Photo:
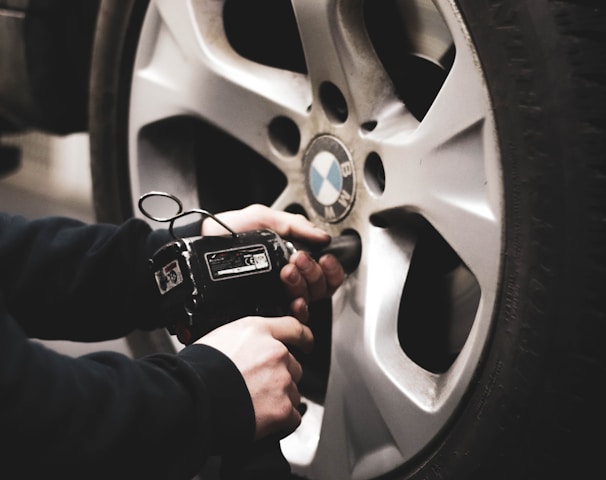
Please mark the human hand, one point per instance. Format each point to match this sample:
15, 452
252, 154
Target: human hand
285, 224
257, 346
305, 279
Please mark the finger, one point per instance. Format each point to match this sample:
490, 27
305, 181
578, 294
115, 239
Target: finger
256, 216
313, 275
333, 272
296, 226
293, 422
296, 285
284, 428
295, 369
290, 331
294, 396
291, 225
300, 309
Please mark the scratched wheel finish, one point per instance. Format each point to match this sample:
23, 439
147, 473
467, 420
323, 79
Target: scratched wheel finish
374, 118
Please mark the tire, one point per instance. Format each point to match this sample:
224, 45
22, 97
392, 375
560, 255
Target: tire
471, 141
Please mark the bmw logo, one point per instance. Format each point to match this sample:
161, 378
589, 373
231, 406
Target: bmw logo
330, 181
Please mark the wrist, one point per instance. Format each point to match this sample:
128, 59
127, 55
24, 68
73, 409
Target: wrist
232, 414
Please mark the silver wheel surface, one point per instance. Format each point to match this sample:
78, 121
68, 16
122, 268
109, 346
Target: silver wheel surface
391, 97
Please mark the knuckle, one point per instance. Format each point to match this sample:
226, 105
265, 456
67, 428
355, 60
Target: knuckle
249, 323
299, 330
295, 419
283, 409
299, 217
256, 209
285, 385
279, 352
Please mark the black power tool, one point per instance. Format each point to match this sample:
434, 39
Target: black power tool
208, 281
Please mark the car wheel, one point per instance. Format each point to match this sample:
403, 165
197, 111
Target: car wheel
463, 141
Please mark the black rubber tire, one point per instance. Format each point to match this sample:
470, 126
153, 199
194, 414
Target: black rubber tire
535, 409
115, 44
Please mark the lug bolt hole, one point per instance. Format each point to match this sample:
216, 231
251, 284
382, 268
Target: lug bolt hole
285, 136
334, 103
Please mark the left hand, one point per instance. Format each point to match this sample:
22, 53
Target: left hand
306, 280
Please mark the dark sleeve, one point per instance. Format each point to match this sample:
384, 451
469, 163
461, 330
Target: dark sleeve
64, 279
106, 416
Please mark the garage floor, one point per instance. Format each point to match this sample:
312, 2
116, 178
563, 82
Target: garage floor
53, 179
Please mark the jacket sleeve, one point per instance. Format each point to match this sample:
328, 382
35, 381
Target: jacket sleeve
63, 279
102, 415
105, 415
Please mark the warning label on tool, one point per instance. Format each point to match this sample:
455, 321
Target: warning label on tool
168, 277
237, 262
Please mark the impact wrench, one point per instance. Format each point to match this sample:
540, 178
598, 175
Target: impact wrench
208, 281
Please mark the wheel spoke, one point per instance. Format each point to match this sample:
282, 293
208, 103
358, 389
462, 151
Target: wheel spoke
191, 70
179, 20
446, 170
452, 191
374, 388
380, 365
458, 203
334, 40
460, 105
356, 420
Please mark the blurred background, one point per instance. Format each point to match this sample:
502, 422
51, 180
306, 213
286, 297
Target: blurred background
53, 178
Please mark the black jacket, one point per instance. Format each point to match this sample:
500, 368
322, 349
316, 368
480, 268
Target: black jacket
102, 415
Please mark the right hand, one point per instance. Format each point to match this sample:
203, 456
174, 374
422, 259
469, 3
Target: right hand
257, 346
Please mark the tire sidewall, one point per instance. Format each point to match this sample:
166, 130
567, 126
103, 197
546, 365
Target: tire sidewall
116, 40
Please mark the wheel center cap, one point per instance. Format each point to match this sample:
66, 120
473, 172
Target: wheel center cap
329, 178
